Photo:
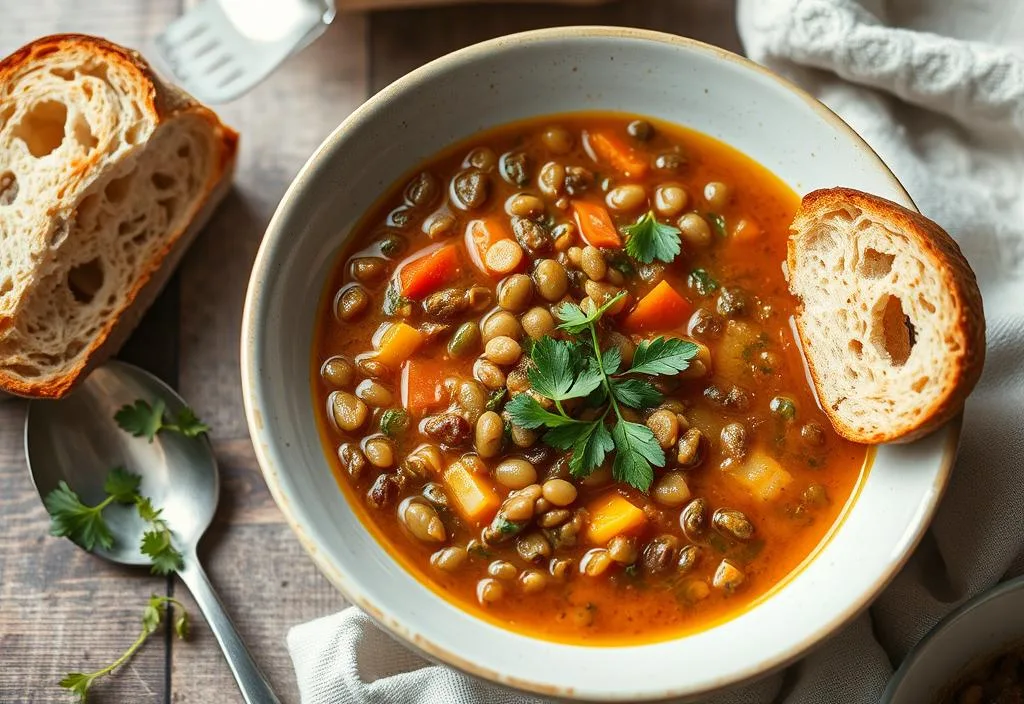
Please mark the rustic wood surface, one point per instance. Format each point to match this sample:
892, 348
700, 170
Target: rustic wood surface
61, 609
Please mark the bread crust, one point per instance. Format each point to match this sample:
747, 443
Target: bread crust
164, 102
957, 277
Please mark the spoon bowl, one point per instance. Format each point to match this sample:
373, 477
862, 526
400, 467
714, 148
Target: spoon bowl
76, 440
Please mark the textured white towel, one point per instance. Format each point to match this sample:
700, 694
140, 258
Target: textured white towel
937, 88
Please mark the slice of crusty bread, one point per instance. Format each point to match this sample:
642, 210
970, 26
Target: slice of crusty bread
106, 175
891, 320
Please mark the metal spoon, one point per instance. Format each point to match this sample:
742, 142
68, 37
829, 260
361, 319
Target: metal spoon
77, 440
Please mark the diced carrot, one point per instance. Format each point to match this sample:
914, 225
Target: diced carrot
422, 382
596, 224
397, 344
481, 235
617, 153
612, 515
762, 475
426, 274
661, 309
474, 495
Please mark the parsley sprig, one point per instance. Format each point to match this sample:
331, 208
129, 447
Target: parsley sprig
577, 368
647, 240
143, 420
86, 525
152, 616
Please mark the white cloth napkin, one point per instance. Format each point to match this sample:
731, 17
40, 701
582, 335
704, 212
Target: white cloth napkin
937, 88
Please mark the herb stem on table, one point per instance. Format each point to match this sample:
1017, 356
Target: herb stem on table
152, 617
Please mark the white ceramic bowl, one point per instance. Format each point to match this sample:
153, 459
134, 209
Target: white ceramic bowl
552, 71
969, 636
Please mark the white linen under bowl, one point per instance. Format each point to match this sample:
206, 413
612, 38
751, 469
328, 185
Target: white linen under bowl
537, 73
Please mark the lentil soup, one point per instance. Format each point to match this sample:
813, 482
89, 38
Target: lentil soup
559, 382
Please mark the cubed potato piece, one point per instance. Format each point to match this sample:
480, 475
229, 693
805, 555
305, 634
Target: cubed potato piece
733, 354
762, 475
474, 495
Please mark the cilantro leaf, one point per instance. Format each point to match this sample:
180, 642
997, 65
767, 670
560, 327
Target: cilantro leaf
662, 355
157, 546
70, 518
635, 393
702, 282
718, 222
142, 420
590, 449
122, 485
526, 412
647, 240
189, 425
575, 319
636, 450
146, 511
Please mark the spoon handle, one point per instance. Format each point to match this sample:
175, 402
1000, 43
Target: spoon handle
251, 680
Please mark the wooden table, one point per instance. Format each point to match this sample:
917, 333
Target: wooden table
61, 609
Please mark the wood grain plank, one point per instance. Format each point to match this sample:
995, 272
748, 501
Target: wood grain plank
265, 578
402, 40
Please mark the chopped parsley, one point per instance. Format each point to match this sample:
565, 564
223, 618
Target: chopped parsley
394, 422
717, 222
702, 282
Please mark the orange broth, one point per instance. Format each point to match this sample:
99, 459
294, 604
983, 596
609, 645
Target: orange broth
756, 351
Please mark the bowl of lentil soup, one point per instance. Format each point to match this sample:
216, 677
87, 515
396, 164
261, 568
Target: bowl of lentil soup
522, 377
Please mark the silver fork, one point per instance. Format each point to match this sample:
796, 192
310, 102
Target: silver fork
220, 49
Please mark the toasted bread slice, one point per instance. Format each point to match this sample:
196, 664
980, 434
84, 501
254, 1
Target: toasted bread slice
106, 175
891, 319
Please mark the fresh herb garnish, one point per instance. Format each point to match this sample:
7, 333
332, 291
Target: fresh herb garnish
647, 240
496, 400
156, 542
395, 304
622, 263
578, 368
701, 281
145, 421
663, 356
85, 525
394, 422
152, 616
717, 222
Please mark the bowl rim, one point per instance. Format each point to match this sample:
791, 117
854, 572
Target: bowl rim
262, 438
917, 655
